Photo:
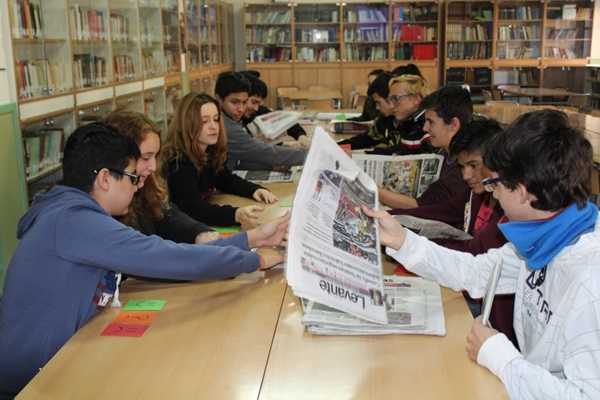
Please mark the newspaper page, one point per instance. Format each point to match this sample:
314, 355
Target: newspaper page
414, 306
269, 176
275, 123
432, 229
333, 254
410, 175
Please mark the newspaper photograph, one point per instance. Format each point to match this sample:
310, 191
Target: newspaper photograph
413, 305
410, 175
333, 254
269, 176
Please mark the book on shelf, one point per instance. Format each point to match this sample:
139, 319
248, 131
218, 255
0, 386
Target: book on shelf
414, 13
270, 35
414, 33
40, 77
459, 32
268, 17
269, 54
520, 12
321, 35
316, 14
26, 19
569, 11
468, 51
510, 51
560, 52
366, 14
43, 149
561, 33
516, 32
366, 34
311, 54
89, 70
86, 23
119, 27
474, 77
365, 53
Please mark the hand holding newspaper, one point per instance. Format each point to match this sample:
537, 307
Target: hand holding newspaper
334, 257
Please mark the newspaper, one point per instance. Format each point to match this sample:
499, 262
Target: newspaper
432, 229
410, 175
269, 176
333, 254
275, 123
332, 116
414, 306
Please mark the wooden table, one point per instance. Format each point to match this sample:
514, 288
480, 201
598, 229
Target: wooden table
538, 94
242, 339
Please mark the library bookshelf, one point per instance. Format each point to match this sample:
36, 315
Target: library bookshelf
77, 60
336, 44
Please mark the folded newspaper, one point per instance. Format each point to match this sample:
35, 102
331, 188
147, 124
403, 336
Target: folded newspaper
270, 176
432, 229
414, 306
409, 175
334, 256
275, 123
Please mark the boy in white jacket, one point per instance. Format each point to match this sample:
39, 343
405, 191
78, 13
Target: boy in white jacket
552, 261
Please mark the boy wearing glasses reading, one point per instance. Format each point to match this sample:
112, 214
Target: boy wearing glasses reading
71, 250
541, 178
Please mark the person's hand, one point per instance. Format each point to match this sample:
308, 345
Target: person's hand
391, 233
293, 144
304, 141
247, 216
264, 196
272, 233
206, 237
269, 258
478, 335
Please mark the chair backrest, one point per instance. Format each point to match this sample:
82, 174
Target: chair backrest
320, 105
361, 89
283, 93
318, 88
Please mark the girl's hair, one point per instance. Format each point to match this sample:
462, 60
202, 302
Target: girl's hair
153, 197
413, 84
184, 130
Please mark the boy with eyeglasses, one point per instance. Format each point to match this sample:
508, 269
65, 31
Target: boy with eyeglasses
541, 178
71, 250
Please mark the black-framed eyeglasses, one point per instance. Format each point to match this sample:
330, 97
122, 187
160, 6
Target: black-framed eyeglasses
135, 179
490, 184
395, 98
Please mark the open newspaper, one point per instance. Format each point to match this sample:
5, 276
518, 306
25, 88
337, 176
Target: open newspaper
274, 124
333, 247
270, 176
410, 175
414, 306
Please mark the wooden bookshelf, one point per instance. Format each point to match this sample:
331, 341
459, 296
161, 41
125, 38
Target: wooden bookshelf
592, 85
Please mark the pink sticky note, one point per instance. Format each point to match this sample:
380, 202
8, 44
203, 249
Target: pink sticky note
116, 329
134, 318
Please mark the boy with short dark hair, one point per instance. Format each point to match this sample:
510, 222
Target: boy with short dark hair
71, 250
541, 178
244, 151
369, 112
446, 110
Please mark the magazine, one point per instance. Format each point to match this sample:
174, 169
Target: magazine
333, 254
414, 306
410, 175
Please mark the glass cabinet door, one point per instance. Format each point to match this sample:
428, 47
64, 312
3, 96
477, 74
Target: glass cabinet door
365, 32
317, 32
151, 39
268, 33
415, 31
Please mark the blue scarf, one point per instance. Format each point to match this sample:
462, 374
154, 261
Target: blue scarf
539, 241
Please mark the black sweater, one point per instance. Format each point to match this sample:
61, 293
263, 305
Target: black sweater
191, 190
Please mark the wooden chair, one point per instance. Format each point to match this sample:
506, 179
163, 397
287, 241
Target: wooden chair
319, 104
283, 96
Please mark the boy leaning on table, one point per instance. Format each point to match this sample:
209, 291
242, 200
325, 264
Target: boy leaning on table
552, 261
71, 249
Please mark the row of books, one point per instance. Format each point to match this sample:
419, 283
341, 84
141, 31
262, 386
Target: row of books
459, 32
506, 51
473, 77
366, 53
560, 52
414, 33
520, 12
40, 78
153, 63
311, 54
569, 11
43, 149
366, 15
469, 51
323, 35
266, 54
26, 19
119, 25
412, 13
124, 68
556, 34
415, 51
523, 77
474, 12
171, 60
317, 15
87, 23
523, 32
271, 35
89, 70
366, 34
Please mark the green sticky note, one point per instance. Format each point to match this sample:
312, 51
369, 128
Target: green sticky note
226, 229
144, 305
340, 117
